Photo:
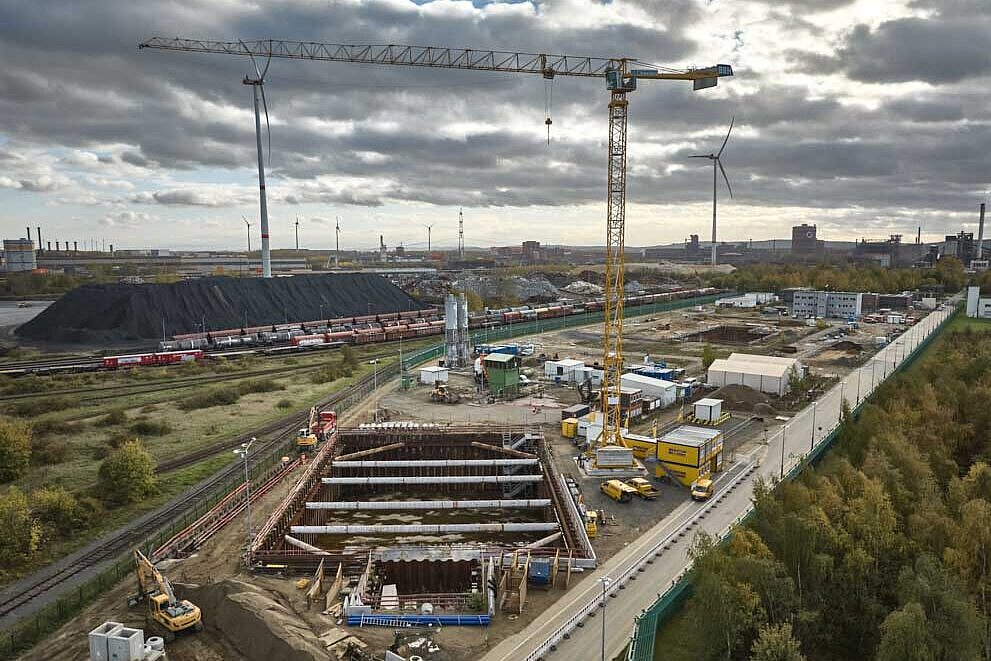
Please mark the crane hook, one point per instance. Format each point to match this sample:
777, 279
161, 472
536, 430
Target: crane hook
548, 102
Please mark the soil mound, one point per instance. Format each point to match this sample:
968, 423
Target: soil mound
253, 623
114, 313
740, 398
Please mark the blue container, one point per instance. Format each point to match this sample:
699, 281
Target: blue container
540, 572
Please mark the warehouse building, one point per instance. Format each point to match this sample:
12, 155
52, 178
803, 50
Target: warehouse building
841, 304
18, 255
769, 374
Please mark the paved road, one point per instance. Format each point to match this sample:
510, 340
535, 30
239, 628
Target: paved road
671, 538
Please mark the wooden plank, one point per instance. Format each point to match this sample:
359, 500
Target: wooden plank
368, 453
496, 448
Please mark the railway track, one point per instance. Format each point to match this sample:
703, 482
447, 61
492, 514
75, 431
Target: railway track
33, 589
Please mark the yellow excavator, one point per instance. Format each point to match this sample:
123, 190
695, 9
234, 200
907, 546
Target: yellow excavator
166, 614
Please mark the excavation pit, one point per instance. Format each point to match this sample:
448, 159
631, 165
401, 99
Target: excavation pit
426, 520
724, 334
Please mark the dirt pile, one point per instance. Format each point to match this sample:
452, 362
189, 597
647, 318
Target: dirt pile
118, 313
251, 622
740, 398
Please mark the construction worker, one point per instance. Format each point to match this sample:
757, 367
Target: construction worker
302, 459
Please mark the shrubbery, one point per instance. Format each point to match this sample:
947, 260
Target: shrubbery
127, 475
15, 449
227, 395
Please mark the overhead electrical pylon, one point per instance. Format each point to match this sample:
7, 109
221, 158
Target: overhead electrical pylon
621, 75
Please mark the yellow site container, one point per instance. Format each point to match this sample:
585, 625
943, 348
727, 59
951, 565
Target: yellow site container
688, 452
569, 427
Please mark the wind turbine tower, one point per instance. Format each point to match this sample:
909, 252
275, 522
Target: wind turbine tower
248, 225
337, 244
297, 232
716, 162
258, 87
429, 227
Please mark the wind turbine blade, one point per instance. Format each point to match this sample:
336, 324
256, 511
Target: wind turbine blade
253, 63
731, 121
268, 126
267, 61
725, 178
701, 156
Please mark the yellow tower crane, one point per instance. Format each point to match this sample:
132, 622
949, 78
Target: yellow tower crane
621, 75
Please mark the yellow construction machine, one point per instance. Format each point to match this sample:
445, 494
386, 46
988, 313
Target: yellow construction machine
644, 488
702, 488
166, 614
441, 393
618, 490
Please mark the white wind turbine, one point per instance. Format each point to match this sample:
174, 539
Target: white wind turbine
716, 162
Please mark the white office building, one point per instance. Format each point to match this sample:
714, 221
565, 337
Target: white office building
840, 304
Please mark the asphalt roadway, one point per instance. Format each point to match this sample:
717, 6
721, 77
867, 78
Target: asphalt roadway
644, 570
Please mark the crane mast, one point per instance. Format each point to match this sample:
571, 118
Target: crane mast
620, 78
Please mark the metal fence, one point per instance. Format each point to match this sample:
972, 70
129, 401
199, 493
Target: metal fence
645, 626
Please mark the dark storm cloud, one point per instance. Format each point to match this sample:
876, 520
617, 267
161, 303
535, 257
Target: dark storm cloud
367, 136
937, 50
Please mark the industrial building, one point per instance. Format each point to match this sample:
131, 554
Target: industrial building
18, 255
769, 374
748, 300
687, 453
804, 242
812, 303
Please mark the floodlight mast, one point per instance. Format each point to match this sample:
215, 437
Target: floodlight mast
621, 79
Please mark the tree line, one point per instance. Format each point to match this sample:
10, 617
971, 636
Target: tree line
883, 550
948, 273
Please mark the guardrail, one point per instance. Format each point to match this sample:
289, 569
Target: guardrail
641, 647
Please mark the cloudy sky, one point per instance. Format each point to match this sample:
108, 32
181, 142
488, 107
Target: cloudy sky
867, 117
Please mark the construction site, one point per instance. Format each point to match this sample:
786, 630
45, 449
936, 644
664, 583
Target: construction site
443, 508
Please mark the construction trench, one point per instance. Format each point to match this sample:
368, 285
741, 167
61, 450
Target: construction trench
428, 524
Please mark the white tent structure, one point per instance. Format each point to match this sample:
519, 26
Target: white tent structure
769, 374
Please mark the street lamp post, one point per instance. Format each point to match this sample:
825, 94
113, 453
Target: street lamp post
813, 434
605, 581
243, 453
784, 431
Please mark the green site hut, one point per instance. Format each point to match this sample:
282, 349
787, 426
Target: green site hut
503, 370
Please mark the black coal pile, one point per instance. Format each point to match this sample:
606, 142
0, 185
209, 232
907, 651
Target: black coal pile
112, 313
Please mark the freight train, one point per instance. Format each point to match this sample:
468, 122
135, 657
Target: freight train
145, 359
395, 325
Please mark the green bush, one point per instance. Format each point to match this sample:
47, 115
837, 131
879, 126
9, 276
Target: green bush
50, 426
46, 451
34, 407
332, 372
15, 449
112, 419
127, 475
20, 533
227, 395
57, 509
150, 428
284, 404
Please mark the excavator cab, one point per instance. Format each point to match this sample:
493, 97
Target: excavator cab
167, 614
305, 440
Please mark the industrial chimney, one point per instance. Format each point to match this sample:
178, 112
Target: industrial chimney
918, 236
56, 246
29, 233
980, 235
75, 246
39, 237
49, 246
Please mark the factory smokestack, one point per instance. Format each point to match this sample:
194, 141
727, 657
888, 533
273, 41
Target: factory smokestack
56, 246
111, 248
918, 236
29, 233
75, 246
49, 246
980, 235
39, 237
